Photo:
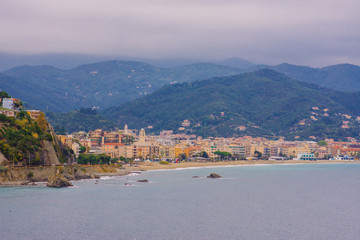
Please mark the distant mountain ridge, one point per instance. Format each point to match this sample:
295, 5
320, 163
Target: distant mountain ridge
237, 63
261, 103
101, 84
110, 83
342, 77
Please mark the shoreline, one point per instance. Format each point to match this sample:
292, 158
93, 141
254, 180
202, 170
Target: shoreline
171, 166
185, 165
30, 176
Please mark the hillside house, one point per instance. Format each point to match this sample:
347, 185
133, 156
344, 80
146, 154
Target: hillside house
8, 103
8, 113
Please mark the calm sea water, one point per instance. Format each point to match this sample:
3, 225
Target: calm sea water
310, 201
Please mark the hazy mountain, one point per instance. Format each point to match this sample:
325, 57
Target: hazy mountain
101, 84
63, 61
73, 60
263, 103
343, 77
237, 63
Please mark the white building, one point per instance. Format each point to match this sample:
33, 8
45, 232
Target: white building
8, 103
306, 156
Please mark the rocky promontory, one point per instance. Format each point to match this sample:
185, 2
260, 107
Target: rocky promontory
58, 181
27, 175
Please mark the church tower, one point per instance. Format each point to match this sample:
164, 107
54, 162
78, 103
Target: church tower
142, 135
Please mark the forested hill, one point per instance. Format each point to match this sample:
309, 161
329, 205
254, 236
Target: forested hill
101, 84
342, 77
263, 103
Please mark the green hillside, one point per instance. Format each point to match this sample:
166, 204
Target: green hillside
25, 141
262, 103
78, 120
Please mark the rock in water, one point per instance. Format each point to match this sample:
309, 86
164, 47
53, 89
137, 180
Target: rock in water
143, 180
58, 181
214, 175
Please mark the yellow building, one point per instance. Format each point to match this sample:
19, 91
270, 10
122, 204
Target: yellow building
178, 151
167, 152
114, 150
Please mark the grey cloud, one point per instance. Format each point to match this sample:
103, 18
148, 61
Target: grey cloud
316, 32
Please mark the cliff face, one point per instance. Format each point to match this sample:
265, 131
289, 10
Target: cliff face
25, 175
49, 153
30, 141
3, 159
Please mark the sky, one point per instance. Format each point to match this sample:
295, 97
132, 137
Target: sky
303, 32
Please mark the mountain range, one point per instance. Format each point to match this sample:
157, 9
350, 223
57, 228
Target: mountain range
343, 77
262, 103
111, 83
102, 84
273, 100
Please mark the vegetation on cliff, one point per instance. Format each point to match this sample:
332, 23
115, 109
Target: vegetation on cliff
27, 141
20, 138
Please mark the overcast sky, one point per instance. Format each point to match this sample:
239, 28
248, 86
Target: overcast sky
304, 32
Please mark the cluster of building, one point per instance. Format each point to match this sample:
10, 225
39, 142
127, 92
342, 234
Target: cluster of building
129, 143
9, 106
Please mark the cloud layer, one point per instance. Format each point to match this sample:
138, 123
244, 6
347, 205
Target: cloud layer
316, 32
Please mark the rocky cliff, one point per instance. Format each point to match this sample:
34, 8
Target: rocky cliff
3, 160
26, 175
49, 153
26, 140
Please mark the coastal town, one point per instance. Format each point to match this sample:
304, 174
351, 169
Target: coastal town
136, 145
124, 145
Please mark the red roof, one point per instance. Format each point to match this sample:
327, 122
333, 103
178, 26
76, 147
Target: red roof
351, 150
114, 144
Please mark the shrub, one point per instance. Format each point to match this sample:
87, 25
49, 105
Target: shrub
3, 118
48, 137
164, 162
30, 174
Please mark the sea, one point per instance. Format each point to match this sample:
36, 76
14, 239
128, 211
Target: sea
270, 202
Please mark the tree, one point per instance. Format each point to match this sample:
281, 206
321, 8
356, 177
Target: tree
41, 120
88, 111
322, 143
204, 154
82, 149
3, 118
4, 94
257, 154
223, 155
182, 156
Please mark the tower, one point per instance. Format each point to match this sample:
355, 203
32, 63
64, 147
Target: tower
126, 129
142, 135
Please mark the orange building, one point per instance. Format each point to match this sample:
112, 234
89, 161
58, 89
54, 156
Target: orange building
114, 150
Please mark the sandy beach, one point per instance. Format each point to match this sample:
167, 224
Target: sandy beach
158, 166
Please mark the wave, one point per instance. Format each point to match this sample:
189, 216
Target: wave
107, 178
